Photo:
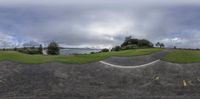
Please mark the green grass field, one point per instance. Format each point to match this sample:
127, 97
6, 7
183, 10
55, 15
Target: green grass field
183, 56
72, 59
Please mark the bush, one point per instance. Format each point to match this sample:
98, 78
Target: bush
132, 46
116, 48
144, 43
40, 49
29, 51
105, 50
141, 43
15, 49
174, 47
92, 52
53, 48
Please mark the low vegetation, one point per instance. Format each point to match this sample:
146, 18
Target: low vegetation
30, 50
161, 45
183, 56
105, 50
74, 59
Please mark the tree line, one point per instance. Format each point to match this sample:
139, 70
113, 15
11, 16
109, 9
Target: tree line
134, 43
52, 49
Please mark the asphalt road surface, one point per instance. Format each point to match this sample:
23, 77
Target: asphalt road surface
136, 60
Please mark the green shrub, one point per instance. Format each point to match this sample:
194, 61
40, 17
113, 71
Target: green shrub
116, 48
105, 50
40, 49
15, 49
92, 52
132, 46
53, 48
29, 51
141, 43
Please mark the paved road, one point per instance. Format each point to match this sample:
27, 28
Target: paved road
136, 60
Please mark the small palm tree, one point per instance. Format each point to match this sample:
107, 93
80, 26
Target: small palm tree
40, 49
162, 45
158, 44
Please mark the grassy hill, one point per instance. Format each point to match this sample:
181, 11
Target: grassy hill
73, 59
183, 56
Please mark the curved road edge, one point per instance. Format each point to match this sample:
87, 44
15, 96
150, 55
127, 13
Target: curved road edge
121, 66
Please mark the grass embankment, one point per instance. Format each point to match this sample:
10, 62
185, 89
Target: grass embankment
72, 59
183, 56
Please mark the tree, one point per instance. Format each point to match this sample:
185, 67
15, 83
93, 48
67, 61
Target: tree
105, 50
130, 43
158, 44
15, 49
40, 49
128, 38
116, 48
162, 45
33, 47
174, 47
144, 43
53, 48
24, 48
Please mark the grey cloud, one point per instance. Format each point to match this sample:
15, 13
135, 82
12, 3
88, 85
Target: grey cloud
104, 23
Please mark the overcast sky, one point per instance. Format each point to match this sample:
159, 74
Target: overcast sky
99, 23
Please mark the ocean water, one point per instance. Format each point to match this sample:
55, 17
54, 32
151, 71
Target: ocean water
71, 51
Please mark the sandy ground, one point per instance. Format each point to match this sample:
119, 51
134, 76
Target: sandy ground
162, 80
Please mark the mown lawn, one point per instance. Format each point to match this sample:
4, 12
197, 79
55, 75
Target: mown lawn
183, 56
72, 59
